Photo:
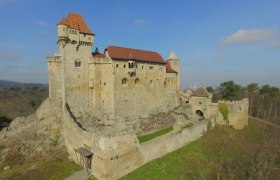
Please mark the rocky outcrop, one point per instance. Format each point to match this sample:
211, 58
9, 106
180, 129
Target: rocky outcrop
35, 134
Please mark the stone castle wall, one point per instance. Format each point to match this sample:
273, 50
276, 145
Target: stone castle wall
116, 155
113, 155
238, 113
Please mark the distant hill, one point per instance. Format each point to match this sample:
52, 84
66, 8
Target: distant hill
8, 82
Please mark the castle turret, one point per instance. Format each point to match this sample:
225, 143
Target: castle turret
75, 41
174, 62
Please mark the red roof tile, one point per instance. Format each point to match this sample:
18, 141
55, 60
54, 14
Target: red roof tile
201, 92
134, 54
169, 68
76, 21
98, 55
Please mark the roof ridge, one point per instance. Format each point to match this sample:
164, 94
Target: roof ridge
131, 48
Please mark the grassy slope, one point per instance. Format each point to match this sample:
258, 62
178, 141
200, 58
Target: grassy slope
155, 134
56, 169
200, 159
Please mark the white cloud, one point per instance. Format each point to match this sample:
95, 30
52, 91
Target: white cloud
250, 36
140, 21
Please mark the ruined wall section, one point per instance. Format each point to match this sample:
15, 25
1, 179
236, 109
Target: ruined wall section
113, 155
238, 113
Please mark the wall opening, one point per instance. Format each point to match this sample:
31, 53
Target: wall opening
199, 114
137, 81
124, 81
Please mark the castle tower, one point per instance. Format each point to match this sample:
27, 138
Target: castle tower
75, 41
174, 62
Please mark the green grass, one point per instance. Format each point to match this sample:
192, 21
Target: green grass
154, 135
201, 159
52, 170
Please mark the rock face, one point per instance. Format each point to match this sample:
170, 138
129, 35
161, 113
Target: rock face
35, 134
6, 168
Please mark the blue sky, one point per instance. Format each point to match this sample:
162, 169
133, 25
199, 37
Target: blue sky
217, 40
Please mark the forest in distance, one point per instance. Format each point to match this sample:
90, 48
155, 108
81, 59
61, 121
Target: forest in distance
264, 101
22, 99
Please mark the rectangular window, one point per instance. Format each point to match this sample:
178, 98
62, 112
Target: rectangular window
123, 66
151, 67
117, 65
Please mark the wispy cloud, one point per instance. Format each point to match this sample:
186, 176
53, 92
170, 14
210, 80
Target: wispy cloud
9, 56
250, 36
141, 21
40, 23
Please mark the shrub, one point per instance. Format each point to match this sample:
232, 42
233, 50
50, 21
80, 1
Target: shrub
223, 108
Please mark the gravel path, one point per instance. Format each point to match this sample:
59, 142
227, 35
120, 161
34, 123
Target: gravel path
79, 175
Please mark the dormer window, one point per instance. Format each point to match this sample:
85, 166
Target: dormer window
77, 63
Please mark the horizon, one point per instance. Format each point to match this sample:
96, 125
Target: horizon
215, 41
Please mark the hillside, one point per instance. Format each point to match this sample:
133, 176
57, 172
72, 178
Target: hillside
223, 153
19, 99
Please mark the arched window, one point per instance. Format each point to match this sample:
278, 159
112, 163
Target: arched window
137, 81
124, 81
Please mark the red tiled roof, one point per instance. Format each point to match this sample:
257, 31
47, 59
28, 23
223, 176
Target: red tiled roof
169, 68
76, 21
201, 92
98, 55
134, 54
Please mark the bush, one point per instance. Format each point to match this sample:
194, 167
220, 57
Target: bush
223, 108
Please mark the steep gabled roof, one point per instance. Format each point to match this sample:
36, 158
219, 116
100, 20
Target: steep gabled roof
76, 21
201, 92
169, 68
172, 55
122, 53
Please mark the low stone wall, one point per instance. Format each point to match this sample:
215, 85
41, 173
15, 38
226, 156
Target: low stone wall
160, 146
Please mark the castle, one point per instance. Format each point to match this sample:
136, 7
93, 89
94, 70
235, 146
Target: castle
138, 80
118, 92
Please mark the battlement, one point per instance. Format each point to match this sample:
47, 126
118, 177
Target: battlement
237, 106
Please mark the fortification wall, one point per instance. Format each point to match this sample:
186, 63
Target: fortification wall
158, 147
238, 113
113, 156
